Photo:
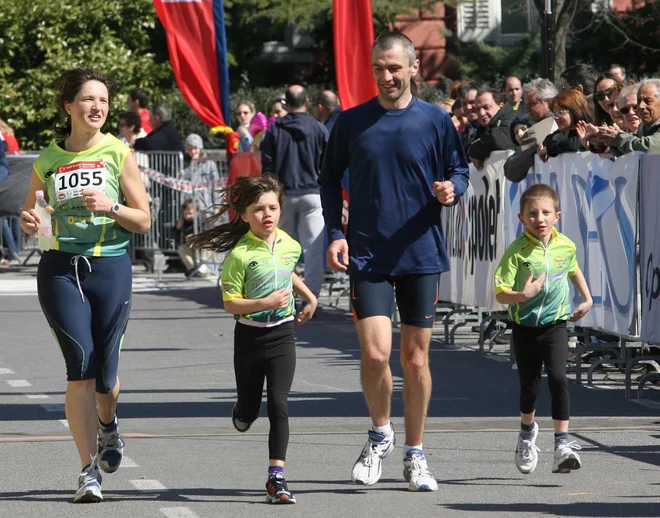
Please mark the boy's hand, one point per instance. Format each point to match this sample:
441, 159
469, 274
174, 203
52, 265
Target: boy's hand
307, 313
532, 287
278, 299
444, 192
581, 310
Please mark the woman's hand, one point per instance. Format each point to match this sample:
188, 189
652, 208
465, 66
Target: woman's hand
30, 220
543, 154
96, 201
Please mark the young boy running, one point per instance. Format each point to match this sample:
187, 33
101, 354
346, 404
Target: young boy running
532, 278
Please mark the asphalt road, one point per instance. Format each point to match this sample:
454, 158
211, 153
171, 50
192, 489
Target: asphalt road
185, 460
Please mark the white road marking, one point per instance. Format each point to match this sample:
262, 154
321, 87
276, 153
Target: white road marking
37, 396
647, 403
177, 512
127, 462
18, 383
64, 422
6, 371
147, 485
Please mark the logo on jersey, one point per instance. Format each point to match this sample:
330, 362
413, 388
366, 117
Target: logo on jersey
527, 265
48, 174
559, 262
286, 260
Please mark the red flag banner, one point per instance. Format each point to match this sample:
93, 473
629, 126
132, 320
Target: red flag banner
354, 34
197, 45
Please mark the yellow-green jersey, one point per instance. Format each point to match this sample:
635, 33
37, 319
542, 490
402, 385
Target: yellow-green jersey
65, 174
253, 270
528, 255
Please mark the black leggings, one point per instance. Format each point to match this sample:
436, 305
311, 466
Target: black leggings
270, 353
535, 346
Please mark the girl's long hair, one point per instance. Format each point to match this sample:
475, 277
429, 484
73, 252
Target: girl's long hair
245, 191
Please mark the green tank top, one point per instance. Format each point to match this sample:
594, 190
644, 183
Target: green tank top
64, 175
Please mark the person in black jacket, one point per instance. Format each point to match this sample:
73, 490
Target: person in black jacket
164, 137
496, 119
293, 150
569, 107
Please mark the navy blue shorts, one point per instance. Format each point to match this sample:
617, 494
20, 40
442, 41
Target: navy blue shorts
89, 332
373, 294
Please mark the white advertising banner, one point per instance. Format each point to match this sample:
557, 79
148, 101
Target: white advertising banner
598, 202
474, 236
649, 209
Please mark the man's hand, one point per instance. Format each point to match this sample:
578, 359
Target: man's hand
444, 192
337, 256
479, 164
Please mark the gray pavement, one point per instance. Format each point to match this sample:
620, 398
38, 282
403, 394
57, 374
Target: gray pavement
185, 460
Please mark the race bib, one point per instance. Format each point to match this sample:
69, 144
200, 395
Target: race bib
71, 179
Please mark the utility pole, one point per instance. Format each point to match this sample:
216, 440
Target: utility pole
548, 42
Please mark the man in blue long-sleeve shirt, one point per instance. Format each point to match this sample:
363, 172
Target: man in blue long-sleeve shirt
406, 161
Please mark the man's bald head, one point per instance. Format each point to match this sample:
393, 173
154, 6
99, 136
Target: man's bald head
296, 98
328, 99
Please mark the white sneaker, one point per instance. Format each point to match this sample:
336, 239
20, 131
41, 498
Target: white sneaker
368, 468
416, 472
565, 457
527, 453
89, 485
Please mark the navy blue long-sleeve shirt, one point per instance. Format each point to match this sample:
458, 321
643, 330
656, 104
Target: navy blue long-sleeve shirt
393, 156
4, 165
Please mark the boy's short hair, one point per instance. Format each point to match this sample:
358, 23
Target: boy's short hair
189, 203
536, 192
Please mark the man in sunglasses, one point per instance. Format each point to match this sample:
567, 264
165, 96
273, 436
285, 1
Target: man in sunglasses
647, 139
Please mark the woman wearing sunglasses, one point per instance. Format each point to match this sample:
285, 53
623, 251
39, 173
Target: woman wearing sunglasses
568, 108
605, 89
627, 104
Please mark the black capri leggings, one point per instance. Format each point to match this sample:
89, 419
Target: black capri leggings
266, 353
535, 346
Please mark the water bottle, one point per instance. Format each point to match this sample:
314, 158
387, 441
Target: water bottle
44, 228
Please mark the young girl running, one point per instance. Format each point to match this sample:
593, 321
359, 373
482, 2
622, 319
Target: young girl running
257, 284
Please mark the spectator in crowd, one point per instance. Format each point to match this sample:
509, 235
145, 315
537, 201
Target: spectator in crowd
203, 172
138, 102
518, 129
467, 94
185, 228
569, 107
244, 114
495, 119
647, 138
618, 71
130, 128
326, 108
293, 150
276, 109
604, 88
513, 93
579, 77
8, 139
613, 107
165, 136
10, 225
538, 95
627, 104
458, 117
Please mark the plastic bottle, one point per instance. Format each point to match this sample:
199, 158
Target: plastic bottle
44, 228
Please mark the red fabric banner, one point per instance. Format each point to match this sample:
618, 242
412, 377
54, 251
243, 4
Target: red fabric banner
191, 40
354, 34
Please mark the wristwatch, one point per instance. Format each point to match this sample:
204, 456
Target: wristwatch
115, 208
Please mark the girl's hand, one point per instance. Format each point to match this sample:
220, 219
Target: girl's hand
96, 201
278, 299
307, 313
581, 310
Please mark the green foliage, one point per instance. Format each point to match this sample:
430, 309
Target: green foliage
492, 64
41, 38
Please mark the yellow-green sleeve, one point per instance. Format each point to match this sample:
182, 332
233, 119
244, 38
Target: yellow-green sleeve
232, 278
505, 274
